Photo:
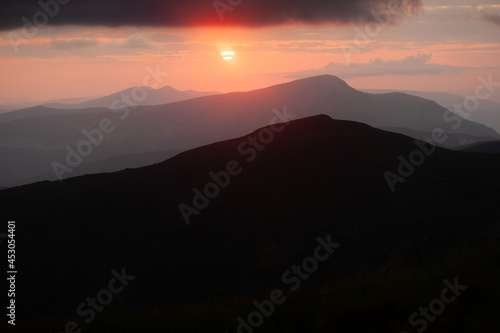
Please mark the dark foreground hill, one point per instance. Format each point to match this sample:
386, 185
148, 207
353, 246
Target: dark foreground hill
484, 147
277, 193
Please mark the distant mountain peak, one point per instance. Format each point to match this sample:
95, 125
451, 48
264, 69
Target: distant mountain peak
168, 88
324, 80
313, 85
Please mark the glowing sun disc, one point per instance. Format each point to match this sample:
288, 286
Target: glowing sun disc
227, 55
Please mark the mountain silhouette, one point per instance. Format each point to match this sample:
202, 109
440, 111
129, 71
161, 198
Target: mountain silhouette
486, 113
188, 124
146, 96
483, 147
313, 178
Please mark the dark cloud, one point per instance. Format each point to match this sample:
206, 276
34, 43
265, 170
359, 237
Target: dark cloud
198, 12
491, 17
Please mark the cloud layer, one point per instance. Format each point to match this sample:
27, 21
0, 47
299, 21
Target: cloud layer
14, 14
491, 17
411, 65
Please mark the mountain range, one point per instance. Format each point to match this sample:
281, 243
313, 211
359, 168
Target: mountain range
143, 96
487, 112
38, 141
137, 96
274, 192
13, 104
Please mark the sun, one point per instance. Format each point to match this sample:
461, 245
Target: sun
227, 55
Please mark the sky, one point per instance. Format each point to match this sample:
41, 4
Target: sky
76, 48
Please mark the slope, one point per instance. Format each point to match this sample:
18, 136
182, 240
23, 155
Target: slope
188, 124
315, 177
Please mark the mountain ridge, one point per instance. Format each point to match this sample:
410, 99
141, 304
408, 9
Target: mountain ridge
191, 123
316, 177
152, 96
487, 113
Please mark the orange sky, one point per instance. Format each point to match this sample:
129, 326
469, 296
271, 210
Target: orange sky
438, 50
